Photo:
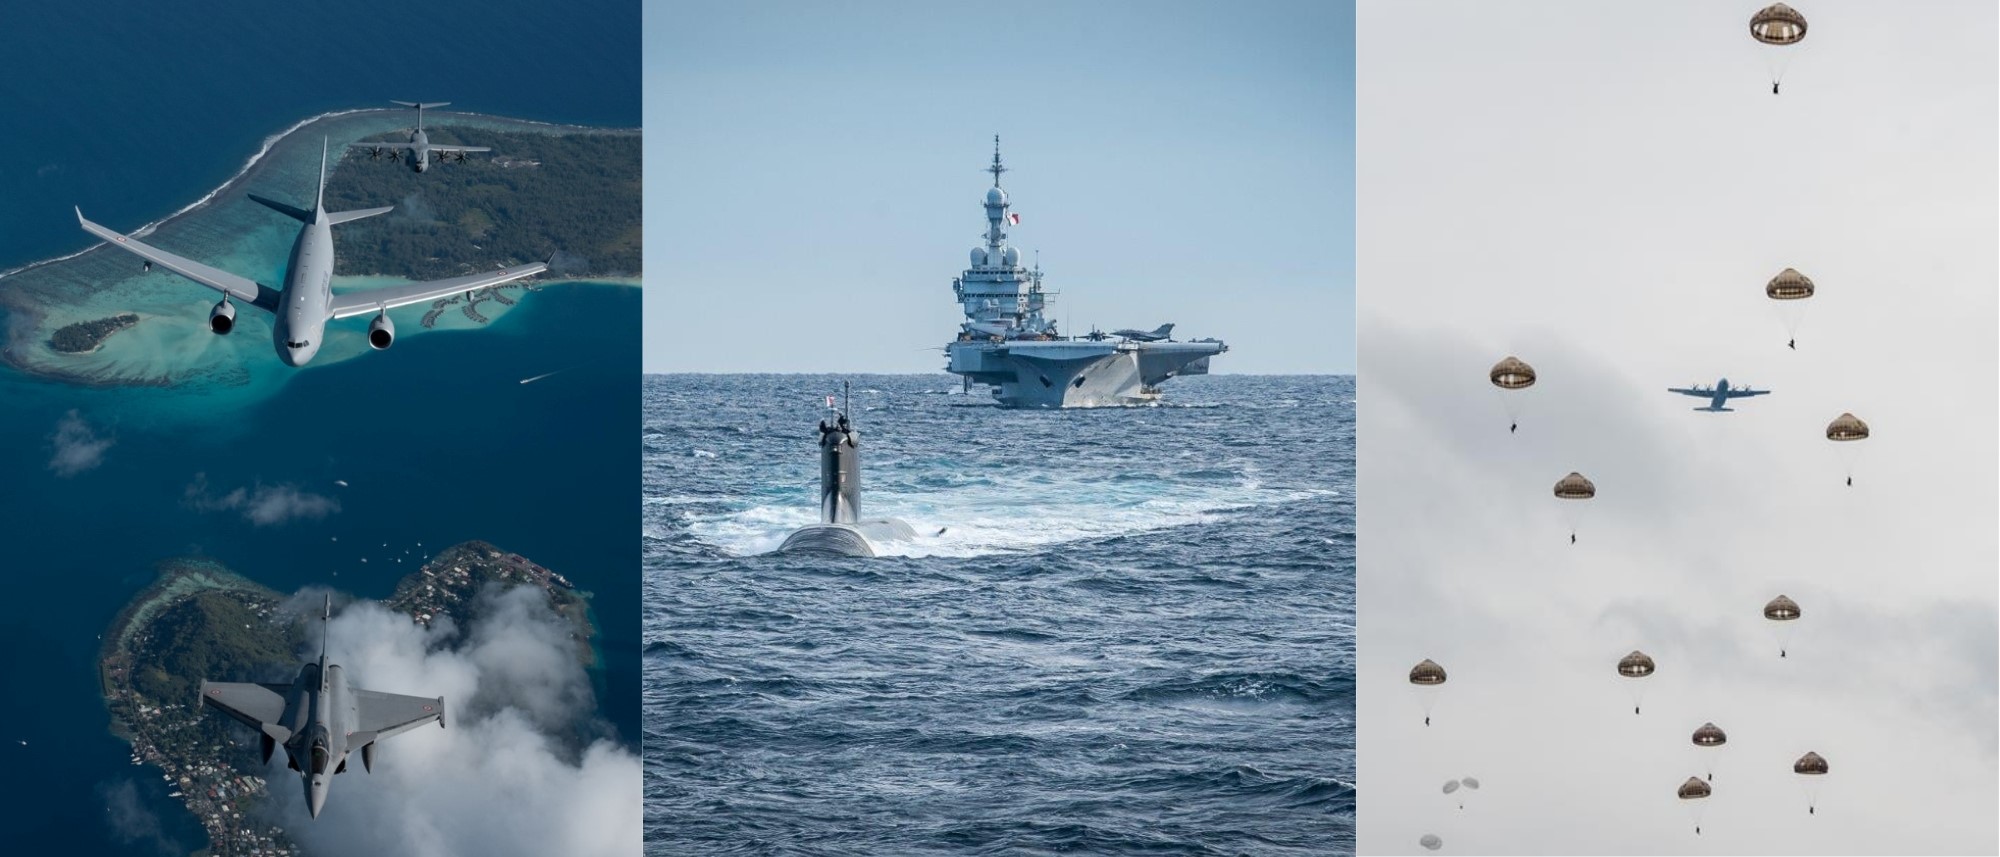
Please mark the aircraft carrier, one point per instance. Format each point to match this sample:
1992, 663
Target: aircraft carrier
1005, 341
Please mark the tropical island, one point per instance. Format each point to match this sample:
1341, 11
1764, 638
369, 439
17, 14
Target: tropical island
198, 620
84, 337
98, 317
534, 194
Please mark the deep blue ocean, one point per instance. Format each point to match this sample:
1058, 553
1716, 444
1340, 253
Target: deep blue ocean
543, 469
137, 109
1134, 635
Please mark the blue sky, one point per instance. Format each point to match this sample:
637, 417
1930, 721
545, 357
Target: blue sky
813, 175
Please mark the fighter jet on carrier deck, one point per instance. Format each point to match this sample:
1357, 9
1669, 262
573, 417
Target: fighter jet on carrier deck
1165, 331
307, 302
319, 720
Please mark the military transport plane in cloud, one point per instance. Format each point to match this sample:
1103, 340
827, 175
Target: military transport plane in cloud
419, 146
1718, 395
307, 302
318, 719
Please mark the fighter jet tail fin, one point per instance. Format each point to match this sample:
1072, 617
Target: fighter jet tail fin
1164, 330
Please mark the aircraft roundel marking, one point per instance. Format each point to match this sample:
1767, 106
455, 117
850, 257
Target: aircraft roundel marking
427, 708
214, 692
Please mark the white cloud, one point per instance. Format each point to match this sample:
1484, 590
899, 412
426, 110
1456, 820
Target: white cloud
77, 446
513, 772
260, 504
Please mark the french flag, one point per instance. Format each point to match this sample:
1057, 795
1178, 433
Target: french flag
1013, 219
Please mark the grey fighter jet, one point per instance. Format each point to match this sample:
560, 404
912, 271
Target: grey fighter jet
1717, 395
307, 302
420, 148
1165, 331
319, 720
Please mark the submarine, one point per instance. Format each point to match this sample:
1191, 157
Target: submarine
841, 531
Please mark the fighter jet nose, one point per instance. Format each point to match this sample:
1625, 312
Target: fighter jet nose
315, 795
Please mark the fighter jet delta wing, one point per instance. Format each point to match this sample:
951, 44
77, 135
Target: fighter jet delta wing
376, 300
386, 714
240, 288
258, 706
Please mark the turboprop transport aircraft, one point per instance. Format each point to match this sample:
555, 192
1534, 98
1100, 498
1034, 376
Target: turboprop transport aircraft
307, 302
1718, 395
419, 146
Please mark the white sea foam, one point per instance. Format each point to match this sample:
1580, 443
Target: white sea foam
1003, 516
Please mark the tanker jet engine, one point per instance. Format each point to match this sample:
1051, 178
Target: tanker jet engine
419, 147
318, 719
307, 302
1717, 395
1165, 331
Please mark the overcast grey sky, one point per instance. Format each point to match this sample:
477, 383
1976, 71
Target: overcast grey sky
1603, 190
813, 175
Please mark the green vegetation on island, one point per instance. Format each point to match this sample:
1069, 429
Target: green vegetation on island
576, 194
85, 336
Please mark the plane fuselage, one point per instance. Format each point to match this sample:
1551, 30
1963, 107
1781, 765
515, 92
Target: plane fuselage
307, 295
318, 714
1721, 397
420, 150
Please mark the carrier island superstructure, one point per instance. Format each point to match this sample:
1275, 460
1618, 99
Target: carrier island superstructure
1007, 343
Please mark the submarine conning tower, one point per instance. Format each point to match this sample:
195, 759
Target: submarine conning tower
839, 472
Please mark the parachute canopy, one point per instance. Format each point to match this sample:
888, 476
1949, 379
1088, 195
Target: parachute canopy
1450, 786
1846, 427
1470, 783
1778, 24
1431, 842
1781, 609
1694, 789
1789, 285
1427, 673
1512, 374
1709, 735
1810, 764
1575, 487
1635, 665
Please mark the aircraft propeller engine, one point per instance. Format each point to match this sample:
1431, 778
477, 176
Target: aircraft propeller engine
222, 319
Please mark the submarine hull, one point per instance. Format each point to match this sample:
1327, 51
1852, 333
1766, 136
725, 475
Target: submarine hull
857, 539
